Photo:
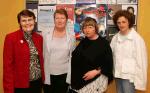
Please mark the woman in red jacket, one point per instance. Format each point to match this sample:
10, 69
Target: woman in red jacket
23, 58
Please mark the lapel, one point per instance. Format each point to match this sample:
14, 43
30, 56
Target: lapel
49, 36
68, 39
35, 41
129, 36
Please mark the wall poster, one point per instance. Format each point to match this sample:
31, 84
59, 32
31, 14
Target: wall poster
78, 10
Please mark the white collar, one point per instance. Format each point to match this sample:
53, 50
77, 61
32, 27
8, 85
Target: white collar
129, 36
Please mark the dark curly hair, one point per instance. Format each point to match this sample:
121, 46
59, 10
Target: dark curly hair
126, 14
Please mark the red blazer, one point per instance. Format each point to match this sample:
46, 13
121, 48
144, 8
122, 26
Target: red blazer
16, 60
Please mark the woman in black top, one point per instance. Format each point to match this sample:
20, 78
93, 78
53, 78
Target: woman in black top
91, 59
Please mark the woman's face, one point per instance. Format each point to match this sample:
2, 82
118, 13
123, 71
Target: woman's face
90, 32
27, 23
60, 21
123, 24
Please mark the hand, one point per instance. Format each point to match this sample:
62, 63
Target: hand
91, 74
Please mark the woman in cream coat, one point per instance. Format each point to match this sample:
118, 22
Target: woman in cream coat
129, 54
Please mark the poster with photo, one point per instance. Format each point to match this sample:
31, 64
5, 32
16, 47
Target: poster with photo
126, 1
132, 9
105, 1
96, 11
85, 1
47, 1
45, 17
102, 14
111, 31
66, 1
81, 12
33, 7
70, 11
101, 10
112, 9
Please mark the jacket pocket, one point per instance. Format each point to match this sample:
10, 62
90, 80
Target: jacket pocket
128, 66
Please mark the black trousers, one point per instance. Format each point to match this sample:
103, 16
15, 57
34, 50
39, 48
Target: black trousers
58, 84
35, 87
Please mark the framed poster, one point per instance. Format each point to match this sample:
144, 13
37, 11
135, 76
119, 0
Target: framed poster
113, 8
47, 1
111, 31
101, 10
126, 1
85, 1
45, 17
66, 1
132, 9
105, 1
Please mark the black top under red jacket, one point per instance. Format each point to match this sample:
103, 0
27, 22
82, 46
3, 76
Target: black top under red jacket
89, 55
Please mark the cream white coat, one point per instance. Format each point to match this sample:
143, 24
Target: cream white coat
130, 59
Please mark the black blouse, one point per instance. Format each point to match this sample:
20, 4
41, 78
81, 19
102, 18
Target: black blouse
89, 55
